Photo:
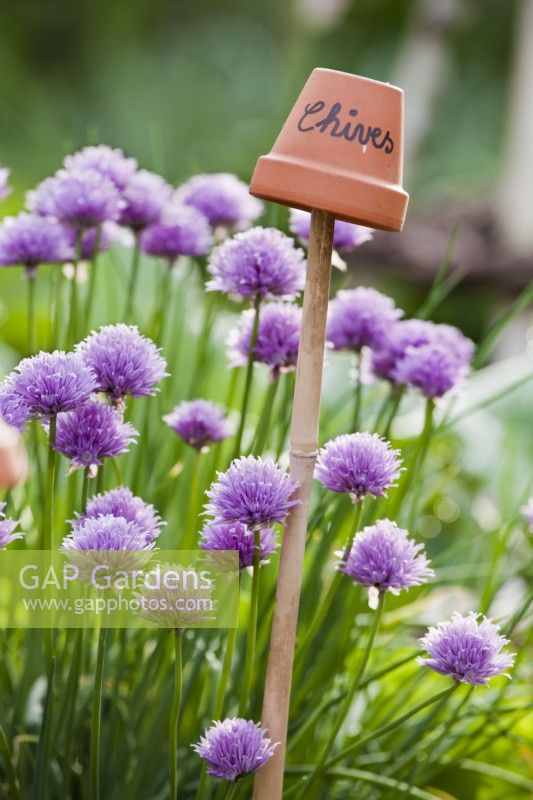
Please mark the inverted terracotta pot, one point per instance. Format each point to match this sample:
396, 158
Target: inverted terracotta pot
340, 150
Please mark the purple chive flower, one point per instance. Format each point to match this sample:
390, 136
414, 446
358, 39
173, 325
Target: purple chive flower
346, 236
199, 423
358, 464
124, 361
430, 368
433, 368
14, 411
5, 188
360, 317
49, 383
174, 602
401, 336
234, 748
383, 556
278, 337
222, 198
467, 650
235, 536
144, 197
433, 358
182, 231
7, 526
450, 337
81, 199
30, 240
91, 433
260, 261
121, 502
253, 491
109, 162
106, 533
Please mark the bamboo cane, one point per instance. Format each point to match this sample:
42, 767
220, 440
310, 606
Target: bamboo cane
304, 434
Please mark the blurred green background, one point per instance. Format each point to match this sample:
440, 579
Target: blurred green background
179, 84
205, 86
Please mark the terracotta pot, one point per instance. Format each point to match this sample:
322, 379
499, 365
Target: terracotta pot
340, 150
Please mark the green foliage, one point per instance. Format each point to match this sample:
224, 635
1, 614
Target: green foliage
465, 507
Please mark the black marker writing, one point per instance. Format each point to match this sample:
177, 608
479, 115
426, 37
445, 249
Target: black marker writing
333, 124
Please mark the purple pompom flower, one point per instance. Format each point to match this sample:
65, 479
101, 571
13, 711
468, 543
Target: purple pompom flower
81, 199
466, 649
278, 337
30, 240
5, 188
358, 464
360, 317
124, 361
433, 368
199, 423
91, 433
234, 748
346, 236
144, 197
109, 162
383, 556
235, 536
7, 527
439, 365
253, 491
401, 336
182, 231
261, 262
50, 383
121, 502
222, 198
14, 411
106, 532
433, 358
453, 340
174, 602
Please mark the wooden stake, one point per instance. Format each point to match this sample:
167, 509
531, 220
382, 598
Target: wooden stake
304, 441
